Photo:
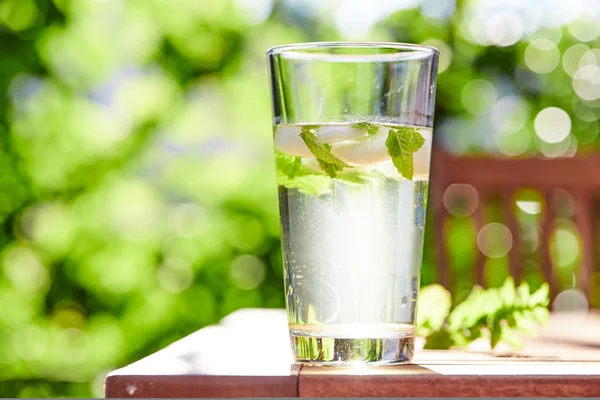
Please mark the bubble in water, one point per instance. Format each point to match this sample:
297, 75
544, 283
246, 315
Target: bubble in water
290, 290
404, 301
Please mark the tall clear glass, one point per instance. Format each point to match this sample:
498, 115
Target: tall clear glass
352, 133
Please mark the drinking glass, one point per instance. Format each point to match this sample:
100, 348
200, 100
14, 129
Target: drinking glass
352, 132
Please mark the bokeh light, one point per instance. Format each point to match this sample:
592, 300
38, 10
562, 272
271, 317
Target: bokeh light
247, 272
529, 206
570, 301
513, 143
505, 28
19, 15
559, 149
494, 240
25, 270
564, 247
552, 125
586, 82
175, 275
445, 53
542, 56
510, 114
461, 200
478, 96
572, 56
585, 28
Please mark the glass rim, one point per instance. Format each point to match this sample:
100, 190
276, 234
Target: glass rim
402, 51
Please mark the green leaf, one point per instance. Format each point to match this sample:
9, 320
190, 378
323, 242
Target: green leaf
356, 177
496, 334
507, 292
510, 337
292, 174
327, 161
523, 294
372, 129
290, 166
541, 315
439, 340
433, 305
511, 321
309, 184
402, 143
525, 322
469, 312
474, 332
541, 297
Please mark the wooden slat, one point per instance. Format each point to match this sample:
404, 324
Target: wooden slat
440, 218
546, 226
584, 221
425, 384
514, 255
200, 386
479, 221
538, 172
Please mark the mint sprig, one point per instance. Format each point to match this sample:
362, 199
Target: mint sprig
322, 151
292, 174
402, 143
372, 129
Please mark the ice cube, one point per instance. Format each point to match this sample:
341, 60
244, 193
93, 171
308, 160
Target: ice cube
389, 169
336, 133
422, 156
288, 140
374, 151
364, 151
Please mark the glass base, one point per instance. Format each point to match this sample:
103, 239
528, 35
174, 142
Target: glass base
348, 351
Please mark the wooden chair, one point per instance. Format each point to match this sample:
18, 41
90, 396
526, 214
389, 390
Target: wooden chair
501, 177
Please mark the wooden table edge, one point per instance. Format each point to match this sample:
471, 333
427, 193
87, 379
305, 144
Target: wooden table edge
437, 385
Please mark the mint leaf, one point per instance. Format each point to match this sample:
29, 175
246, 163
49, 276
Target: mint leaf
292, 174
310, 184
291, 166
402, 143
358, 177
372, 129
327, 161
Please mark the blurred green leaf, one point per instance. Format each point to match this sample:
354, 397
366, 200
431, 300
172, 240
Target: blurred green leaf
433, 305
507, 292
498, 311
540, 296
496, 331
438, 340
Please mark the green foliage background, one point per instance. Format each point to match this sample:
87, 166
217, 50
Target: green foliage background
137, 188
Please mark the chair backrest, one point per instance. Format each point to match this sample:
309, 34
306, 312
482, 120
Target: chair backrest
501, 178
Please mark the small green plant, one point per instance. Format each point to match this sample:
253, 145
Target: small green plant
496, 313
